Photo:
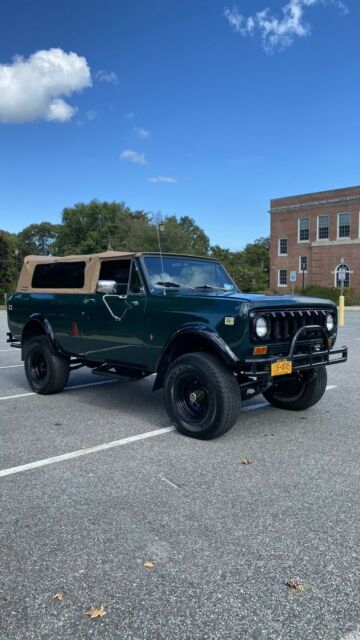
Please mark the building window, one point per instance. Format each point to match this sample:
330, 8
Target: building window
283, 247
344, 225
304, 229
323, 227
338, 280
303, 264
282, 278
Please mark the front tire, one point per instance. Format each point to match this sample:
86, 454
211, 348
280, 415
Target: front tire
201, 396
46, 371
299, 392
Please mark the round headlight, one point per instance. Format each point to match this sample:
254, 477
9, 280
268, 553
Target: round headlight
261, 327
330, 324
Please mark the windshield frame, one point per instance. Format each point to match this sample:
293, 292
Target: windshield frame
166, 290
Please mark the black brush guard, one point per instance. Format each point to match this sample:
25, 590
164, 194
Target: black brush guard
301, 361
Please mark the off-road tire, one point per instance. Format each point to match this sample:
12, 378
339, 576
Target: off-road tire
298, 392
201, 373
46, 371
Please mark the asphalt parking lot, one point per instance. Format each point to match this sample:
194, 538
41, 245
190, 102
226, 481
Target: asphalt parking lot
223, 537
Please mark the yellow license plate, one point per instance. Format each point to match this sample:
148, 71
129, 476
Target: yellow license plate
281, 368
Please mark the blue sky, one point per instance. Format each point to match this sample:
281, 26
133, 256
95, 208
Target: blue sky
196, 107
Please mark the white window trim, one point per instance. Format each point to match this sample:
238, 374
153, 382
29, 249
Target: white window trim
307, 263
298, 236
338, 225
317, 230
287, 245
336, 270
282, 285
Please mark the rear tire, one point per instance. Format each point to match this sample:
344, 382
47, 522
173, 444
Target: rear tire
46, 371
201, 396
299, 392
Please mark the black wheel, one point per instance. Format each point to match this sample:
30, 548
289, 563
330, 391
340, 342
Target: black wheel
201, 395
298, 392
46, 371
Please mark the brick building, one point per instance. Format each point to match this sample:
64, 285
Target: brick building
315, 233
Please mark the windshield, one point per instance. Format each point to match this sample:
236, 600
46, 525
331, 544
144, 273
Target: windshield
175, 273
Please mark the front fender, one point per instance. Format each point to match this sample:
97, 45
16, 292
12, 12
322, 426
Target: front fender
196, 337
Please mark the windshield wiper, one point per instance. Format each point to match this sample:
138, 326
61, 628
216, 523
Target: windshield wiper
169, 283
208, 286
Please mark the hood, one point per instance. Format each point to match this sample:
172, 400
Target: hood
261, 301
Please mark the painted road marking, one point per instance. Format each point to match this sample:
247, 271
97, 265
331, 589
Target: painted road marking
75, 386
8, 350
84, 452
263, 405
11, 366
107, 445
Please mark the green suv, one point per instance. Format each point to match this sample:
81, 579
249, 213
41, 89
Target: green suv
179, 317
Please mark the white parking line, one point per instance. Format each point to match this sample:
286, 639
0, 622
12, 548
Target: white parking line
84, 452
11, 366
75, 386
7, 350
263, 405
107, 445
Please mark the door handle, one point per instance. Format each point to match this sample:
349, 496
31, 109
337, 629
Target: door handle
87, 300
135, 303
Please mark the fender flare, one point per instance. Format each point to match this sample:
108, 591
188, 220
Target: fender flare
174, 347
41, 321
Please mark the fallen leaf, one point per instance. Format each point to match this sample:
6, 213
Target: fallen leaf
297, 586
83, 446
246, 461
150, 564
59, 596
96, 613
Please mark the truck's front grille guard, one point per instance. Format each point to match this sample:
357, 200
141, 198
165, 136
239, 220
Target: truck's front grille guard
285, 322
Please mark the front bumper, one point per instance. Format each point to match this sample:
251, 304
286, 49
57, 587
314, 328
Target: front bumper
259, 367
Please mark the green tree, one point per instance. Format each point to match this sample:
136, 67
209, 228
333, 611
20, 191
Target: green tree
37, 239
7, 263
89, 228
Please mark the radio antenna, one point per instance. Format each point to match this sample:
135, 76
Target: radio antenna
160, 230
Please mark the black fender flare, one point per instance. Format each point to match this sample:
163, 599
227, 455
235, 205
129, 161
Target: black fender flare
192, 335
39, 321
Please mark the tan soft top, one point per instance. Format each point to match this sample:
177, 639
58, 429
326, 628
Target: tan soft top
92, 269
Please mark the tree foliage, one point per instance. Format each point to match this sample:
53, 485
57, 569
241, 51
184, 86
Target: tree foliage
97, 226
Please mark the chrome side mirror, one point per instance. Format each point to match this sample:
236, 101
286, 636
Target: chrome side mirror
106, 286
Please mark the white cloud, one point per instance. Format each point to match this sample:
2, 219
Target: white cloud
32, 88
133, 156
142, 133
278, 33
162, 180
129, 115
107, 76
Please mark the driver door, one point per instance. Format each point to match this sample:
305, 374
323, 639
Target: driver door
112, 325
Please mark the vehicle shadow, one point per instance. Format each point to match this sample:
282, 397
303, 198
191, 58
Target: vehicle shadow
132, 398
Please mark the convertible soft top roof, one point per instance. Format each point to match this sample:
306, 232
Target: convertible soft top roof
92, 269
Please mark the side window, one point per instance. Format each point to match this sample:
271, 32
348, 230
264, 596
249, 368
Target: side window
118, 270
136, 285
59, 275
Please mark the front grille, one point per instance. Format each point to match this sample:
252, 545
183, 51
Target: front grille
284, 323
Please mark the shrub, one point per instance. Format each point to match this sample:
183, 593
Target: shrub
330, 293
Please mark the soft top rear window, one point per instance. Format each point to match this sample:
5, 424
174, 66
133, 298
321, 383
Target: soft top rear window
59, 275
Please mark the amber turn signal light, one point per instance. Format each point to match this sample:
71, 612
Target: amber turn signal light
260, 351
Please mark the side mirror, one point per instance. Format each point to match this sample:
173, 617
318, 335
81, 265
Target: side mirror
106, 286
